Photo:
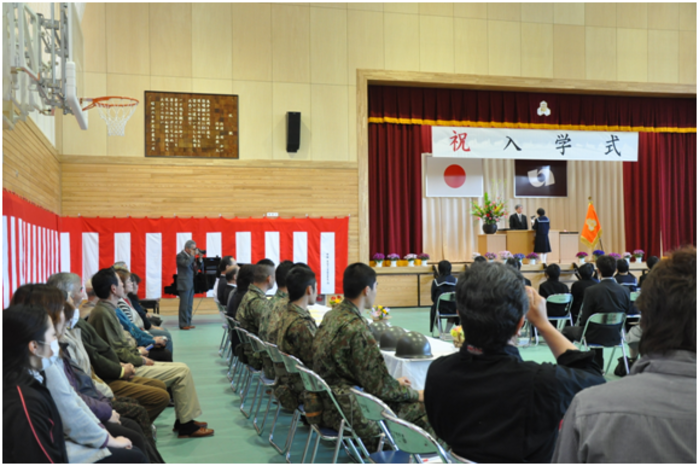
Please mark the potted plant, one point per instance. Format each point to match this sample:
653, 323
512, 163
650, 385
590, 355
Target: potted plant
615, 255
627, 257
581, 256
393, 257
519, 256
457, 334
638, 254
423, 258
533, 257
334, 301
475, 254
490, 256
380, 313
597, 253
490, 212
378, 259
411, 259
504, 255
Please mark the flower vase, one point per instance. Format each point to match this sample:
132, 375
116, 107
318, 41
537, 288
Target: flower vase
639, 259
379, 263
490, 228
532, 261
628, 260
411, 263
521, 262
394, 263
582, 260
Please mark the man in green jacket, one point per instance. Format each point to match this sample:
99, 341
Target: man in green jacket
177, 376
345, 354
254, 305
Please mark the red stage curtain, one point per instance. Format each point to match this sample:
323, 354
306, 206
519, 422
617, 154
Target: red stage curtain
395, 188
662, 181
451, 107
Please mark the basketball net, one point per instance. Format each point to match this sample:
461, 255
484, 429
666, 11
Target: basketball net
115, 111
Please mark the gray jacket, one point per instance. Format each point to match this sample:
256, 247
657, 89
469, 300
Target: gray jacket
83, 432
185, 271
650, 416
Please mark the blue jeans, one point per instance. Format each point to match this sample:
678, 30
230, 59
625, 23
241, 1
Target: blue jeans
162, 333
186, 303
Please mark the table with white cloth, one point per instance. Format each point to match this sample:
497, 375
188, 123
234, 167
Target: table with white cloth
416, 369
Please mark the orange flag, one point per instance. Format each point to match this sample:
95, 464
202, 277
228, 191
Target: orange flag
591, 230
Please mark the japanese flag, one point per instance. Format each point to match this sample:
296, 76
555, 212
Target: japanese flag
453, 177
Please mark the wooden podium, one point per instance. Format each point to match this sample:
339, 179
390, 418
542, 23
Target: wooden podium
492, 243
564, 244
520, 241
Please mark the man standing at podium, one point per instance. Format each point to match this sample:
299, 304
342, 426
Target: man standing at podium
518, 221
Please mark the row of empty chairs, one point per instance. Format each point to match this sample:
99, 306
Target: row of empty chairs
404, 440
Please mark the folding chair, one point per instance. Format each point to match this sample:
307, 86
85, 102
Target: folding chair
276, 357
312, 382
252, 374
609, 319
459, 459
556, 301
291, 364
224, 341
448, 297
259, 347
234, 365
413, 440
373, 409
636, 313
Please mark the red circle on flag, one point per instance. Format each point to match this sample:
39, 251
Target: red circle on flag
454, 176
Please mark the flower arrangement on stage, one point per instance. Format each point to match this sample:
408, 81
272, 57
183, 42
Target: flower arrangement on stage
475, 254
615, 255
334, 301
638, 254
597, 253
457, 334
490, 256
626, 255
393, 257
378, 258
532, 255
581, 254
380, 313
504, 255
410, 257
423, 256
491, 211
519, 256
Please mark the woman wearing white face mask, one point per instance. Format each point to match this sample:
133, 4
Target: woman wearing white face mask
86, 439
31, 423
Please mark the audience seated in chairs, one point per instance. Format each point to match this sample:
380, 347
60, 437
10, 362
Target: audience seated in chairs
32, 426
485, 401
586, 272
514, 263
177, 376
243, 281
623, 276
230, 285
605, 297
87, 439
652, 260
345, 354
445, 282
552, 285
269, 322
226, 265
649, 416
151, 322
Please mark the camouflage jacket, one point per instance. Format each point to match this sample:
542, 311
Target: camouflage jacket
270, 319
345, 353
297, 330
253, 305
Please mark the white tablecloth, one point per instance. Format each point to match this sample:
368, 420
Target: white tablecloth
416, 369
318, 311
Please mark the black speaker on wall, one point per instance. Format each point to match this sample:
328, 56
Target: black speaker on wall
293, 131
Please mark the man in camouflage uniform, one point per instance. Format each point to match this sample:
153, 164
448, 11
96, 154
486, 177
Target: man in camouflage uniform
277, 304
345, 354
296, 332
254, 305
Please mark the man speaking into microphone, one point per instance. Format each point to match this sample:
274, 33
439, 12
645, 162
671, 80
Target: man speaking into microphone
188, 261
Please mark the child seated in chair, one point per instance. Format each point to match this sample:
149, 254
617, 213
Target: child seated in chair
444, 283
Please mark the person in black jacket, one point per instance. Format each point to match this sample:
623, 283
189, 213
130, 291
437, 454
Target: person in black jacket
514, 263
230, 284
32, 427
541, 225
652, 260
226, 265
518, 221
605, 297
553, 286
444, 283
623, 276
487, 403
578, 288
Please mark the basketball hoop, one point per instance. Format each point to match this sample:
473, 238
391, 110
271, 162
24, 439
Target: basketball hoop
115, 111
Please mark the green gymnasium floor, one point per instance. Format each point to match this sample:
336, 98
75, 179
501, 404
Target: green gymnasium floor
235, 440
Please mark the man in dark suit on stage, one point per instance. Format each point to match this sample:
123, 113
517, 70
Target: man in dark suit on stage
188, 260
518, 221
605, 297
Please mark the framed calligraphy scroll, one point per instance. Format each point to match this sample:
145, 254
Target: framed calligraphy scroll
191, 125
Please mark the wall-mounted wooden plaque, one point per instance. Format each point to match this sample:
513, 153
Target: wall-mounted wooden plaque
191, 125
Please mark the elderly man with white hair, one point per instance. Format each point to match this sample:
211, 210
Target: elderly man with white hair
188, 260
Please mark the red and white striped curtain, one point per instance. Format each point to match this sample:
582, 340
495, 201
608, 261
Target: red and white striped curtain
37, 243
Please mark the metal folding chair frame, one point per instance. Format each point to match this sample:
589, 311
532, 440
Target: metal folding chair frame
609, 319
448, 297
414, 440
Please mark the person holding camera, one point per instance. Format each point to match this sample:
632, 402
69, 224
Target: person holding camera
188, 261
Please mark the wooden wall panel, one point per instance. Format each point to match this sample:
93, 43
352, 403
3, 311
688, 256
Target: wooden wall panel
30, 166
397, 290
120, 187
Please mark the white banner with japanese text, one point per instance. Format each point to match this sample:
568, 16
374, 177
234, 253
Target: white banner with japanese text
534, 144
